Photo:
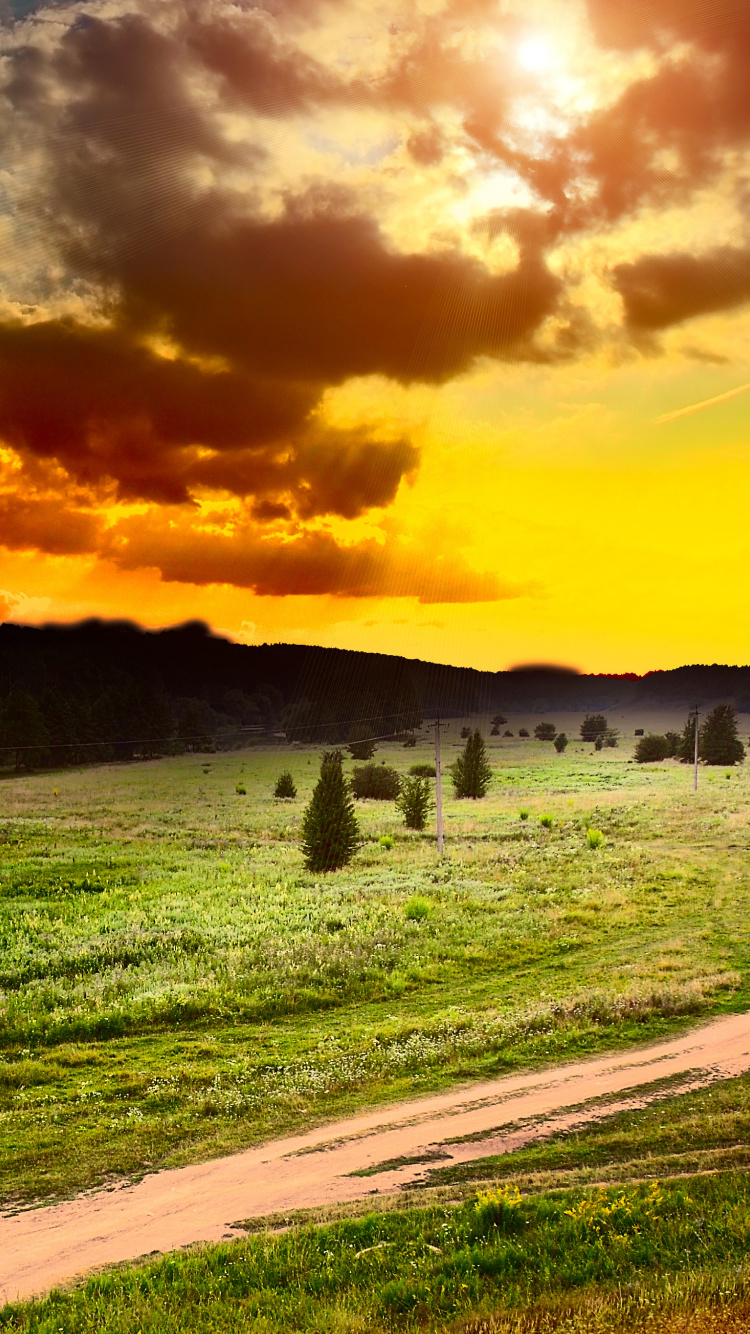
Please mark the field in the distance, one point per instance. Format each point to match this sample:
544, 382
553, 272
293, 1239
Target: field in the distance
176, 985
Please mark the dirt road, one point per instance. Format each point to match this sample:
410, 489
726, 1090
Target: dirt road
46, 1247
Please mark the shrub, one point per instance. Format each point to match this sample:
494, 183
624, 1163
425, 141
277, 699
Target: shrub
594, 838
417, 909
241, 790
495, 731
593, 725
522, 732
285, 785
423, 771
524, 814
507, 733
415, 801
376, 782
386, 842
361, 744
329, 829
718, 742
651, 749
561, 742
546, 821
545, 731
471, 772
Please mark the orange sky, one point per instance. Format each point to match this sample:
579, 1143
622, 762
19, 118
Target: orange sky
373, 324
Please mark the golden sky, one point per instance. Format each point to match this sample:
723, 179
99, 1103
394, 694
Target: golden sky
411, 325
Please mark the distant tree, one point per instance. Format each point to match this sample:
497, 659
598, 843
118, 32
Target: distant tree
471, 772
25, 733
465, 732
285, 785
561, 742
361, 743
507, 733
415, 801
651, 749
686, 748
376, 782
593, 725
197, 726
522, 731
718, 742
61, 723
545, 731
495, 731
410, 741
674, 740
329, 828
608, 739
499, 720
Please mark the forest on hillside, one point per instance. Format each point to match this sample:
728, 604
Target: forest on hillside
109, 690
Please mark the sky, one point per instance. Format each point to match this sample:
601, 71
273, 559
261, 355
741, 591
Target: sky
418, 326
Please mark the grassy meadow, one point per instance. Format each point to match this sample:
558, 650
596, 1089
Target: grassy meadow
174, 985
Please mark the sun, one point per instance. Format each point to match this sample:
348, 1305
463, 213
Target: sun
535, 54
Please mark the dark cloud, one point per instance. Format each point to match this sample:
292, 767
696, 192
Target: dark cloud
309, 564
663, 290
44, 525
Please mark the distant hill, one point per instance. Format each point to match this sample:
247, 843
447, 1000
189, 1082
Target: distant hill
102, 690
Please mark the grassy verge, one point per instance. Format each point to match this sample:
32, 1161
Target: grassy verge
174, 985
603, 1259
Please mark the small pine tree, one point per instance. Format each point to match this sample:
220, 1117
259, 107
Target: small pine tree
415, 801
686, 749
718, 742
285, 785
330, 832
673, 740
545, 731
593, 726
361, 743
561, 742
471, 772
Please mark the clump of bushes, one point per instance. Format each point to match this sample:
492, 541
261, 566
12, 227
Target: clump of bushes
284, 785
423, 771
652, 748
330, 832
375, 782
417, 909
609, 738
415, 801
561, 742
471, 772
522, 731
545, 731
594, 838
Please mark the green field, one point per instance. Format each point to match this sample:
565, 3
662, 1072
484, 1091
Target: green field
175, 985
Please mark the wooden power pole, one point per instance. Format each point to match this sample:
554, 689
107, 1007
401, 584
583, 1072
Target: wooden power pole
438, 790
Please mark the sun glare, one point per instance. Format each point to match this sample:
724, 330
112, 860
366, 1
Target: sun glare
534, 54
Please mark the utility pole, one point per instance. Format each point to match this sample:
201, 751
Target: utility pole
695, 715
438, 790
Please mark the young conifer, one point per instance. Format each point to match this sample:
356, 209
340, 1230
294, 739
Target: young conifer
718, 742
471, 772
329, 829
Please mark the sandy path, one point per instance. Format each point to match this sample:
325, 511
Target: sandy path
45, 1247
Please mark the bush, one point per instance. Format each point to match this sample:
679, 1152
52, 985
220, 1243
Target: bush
545, 731
546, 821
594, 838
651, 749
415, 801
593, 725
285, 785
524, 814
386, 842
495, 731
471, 772
361, 744
329, 829
507, 733
522, 732
499, 720
241, 790
417, 909
718, 742
376, 782
561, 742
423, 771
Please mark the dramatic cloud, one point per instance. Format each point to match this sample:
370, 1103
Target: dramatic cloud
216, 216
